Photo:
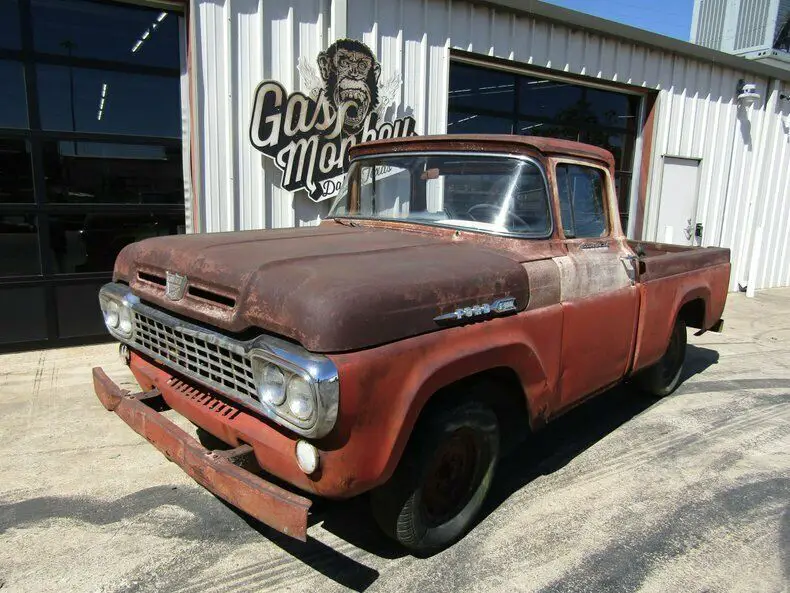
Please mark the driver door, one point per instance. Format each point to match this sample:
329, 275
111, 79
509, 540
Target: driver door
598, 293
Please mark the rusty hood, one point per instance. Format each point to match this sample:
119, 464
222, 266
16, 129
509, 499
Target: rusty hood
331, 288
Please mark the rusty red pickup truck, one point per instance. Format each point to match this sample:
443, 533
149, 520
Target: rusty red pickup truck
462, 292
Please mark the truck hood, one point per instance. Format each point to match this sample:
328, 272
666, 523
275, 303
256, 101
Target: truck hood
331, 288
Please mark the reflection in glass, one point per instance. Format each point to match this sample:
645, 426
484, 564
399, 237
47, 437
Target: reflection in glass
581, 197
16, 177
547, 130
470, 123
13, 107
559, 101
18, 245
90, 242
106, 31
9, 25
103, 101
99, 172
481, 88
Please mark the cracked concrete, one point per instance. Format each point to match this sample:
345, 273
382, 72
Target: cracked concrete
689, 493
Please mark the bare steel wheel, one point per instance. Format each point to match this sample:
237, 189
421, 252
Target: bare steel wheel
434, 496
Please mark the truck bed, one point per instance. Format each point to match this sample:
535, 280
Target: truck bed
659, 260
677, 280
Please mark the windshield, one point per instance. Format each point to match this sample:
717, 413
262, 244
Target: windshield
496, 194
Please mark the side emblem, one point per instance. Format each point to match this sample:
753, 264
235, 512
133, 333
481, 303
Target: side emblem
476, 312
175, 286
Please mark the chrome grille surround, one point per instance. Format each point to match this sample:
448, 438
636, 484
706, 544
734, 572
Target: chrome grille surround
225, 364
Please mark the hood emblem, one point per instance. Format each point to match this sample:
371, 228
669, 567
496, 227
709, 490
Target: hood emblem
498, 307
175, 286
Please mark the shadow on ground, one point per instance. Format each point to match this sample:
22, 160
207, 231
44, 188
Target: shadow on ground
541, 454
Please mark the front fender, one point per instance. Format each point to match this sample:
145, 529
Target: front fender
383, 390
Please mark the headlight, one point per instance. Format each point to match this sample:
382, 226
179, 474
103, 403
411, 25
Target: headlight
111, 314
117, 311
288, 392
272, 386
125, 323
301, 400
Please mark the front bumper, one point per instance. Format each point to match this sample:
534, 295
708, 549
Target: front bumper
276, 507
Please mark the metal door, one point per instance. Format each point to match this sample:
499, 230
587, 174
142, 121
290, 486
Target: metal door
677, 209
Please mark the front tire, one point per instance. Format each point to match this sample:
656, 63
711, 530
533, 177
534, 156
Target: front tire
438, 488
663, 378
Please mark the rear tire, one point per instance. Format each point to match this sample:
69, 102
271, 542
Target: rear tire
439, 486
663, 378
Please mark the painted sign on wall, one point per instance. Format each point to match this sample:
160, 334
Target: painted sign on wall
308, 136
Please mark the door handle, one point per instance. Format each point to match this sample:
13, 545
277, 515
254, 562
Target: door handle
630, 264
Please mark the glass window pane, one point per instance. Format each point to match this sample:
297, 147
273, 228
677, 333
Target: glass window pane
550, 130
612, 109
581, 196
16, 176
481, 88
98, 172
108, 31
90, 242
19, 245
23, 314
102, 101
9, 25
13, 107
470, 123
78, 312
559, 101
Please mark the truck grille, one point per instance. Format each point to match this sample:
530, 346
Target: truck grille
196, 357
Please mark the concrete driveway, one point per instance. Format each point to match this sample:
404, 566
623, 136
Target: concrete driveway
690, 493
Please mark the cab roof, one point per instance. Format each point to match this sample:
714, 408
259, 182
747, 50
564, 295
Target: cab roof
510, 143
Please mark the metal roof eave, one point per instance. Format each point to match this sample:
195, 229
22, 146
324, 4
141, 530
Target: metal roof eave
594, 24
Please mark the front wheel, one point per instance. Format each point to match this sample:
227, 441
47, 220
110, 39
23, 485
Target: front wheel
663, 378
442, 480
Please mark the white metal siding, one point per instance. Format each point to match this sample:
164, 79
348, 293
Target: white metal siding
744, 160
240, 43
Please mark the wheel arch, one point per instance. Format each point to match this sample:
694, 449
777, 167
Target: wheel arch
515, 367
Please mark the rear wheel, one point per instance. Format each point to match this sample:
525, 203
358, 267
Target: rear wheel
663, 378
437, 490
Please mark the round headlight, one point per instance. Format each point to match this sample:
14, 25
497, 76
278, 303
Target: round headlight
111, 314
272, 387
125, 323
301, 402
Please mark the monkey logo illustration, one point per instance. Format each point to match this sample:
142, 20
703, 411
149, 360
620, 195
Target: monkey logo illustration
351, 79
308, 134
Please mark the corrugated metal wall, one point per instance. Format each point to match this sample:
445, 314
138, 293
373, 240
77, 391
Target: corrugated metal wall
744, 156
238, 43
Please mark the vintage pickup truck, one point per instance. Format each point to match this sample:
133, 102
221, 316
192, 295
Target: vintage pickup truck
463, 291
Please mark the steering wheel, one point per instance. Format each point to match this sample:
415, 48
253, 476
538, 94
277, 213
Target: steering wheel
495, 211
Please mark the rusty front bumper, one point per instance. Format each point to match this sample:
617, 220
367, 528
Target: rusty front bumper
282, 510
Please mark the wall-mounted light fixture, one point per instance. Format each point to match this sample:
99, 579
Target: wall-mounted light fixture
747, 93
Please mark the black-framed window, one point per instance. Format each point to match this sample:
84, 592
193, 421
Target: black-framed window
90, 153
490, 101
